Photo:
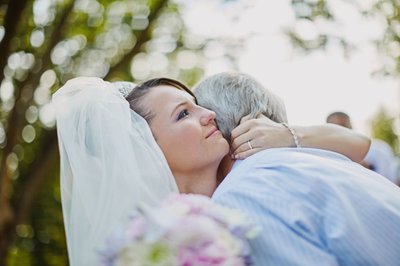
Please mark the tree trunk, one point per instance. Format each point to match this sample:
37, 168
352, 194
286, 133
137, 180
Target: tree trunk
13, 16
23, 208
12, 214
6, 230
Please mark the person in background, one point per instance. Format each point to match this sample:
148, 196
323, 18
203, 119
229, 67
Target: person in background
380, 157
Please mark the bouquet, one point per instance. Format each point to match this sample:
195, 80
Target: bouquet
184, 230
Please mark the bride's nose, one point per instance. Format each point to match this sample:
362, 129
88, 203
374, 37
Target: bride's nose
206, 116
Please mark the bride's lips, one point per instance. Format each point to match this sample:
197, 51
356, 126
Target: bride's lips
212, 132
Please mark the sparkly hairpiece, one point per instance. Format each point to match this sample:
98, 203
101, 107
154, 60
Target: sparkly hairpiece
124, 87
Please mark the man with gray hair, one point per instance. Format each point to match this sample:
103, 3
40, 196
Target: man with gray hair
221, 93
315, 207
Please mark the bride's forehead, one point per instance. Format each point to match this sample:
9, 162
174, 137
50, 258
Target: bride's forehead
184, 94
171, 92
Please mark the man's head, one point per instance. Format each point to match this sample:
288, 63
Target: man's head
234, 95
339, 118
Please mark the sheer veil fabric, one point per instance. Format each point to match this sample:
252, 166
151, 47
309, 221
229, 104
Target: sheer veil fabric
110, 164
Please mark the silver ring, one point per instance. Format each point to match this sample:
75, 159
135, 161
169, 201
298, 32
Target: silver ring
249, 143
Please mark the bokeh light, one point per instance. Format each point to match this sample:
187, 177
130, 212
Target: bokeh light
37, 38
28, 133
6, 90
47, 115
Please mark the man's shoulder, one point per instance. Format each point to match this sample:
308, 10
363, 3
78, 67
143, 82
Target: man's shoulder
235, 181
265, 169
267, 159
285, 155
250, 174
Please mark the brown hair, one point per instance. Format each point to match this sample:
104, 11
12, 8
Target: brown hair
135, 96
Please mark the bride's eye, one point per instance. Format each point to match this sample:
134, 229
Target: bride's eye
183, 114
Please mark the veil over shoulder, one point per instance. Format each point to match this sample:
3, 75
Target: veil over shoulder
110, 164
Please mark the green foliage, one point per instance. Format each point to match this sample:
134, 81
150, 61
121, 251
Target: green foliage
43, 43
310, 9
41, 241
383, 128
320, 13
387, 12
307, 45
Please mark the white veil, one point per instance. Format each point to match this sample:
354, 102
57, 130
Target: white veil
110, 163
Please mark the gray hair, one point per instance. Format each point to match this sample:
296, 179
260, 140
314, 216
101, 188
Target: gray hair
234, 95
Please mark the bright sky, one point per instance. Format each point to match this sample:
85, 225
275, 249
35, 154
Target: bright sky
311, 85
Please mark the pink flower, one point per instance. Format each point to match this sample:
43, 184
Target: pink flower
184, 230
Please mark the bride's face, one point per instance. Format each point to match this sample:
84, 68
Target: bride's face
186, 133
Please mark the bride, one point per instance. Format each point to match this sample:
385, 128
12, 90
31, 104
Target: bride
111, 162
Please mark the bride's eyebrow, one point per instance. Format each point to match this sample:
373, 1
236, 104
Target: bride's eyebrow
177, 107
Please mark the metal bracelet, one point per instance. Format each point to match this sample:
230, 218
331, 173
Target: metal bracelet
295, 138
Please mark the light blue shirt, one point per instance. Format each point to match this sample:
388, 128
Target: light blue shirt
315, 207
382, 160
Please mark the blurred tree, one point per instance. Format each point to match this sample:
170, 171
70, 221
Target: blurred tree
43, 43
319, 25
383, 128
